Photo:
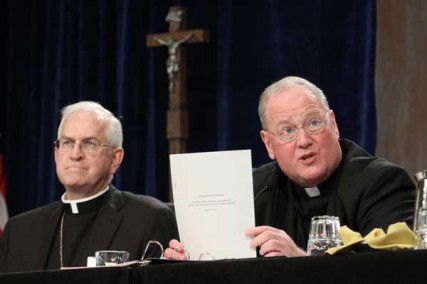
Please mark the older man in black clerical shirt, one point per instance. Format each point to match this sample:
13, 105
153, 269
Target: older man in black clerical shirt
92, 215
315, 172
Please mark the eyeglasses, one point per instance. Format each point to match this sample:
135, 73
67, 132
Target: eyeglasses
87, 146
314, 124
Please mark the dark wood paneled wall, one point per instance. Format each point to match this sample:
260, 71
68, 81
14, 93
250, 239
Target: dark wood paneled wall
401, 82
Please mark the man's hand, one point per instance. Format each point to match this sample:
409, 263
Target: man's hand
175, 251
273, 242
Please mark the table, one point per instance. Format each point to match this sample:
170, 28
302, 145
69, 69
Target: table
367, 267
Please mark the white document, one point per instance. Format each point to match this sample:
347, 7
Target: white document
214, 204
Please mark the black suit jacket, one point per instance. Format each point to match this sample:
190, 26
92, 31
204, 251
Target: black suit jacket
369, 193
125, 221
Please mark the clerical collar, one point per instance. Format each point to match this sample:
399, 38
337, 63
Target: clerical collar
312, 191
327, 186
84, 205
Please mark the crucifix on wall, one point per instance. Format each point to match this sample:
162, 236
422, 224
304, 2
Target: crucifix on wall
175, 40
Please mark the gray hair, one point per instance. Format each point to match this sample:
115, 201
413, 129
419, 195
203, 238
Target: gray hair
114, 130
288, 83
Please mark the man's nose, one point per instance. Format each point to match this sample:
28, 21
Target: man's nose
304, 139
77, 151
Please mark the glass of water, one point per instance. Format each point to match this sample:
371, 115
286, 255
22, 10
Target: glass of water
324, 234
421, 229
111, 257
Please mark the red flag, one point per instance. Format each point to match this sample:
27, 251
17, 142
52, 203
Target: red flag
3, 206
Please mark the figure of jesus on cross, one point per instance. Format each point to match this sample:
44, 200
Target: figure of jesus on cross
177, 116
172, 66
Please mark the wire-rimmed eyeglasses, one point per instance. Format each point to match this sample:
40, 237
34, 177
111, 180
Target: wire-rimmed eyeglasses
313, 124
89, 146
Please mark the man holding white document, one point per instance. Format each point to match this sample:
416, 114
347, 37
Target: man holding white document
314, 172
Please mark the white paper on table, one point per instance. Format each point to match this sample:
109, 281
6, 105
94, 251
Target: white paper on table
214, 204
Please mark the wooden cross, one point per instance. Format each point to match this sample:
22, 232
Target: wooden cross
177, 115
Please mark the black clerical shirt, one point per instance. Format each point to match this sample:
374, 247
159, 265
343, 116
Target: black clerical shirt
301, 208
76, 229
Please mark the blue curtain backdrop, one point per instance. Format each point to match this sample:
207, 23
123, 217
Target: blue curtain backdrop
56, 52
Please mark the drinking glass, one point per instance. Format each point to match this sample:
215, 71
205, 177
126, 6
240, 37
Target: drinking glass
324, 234
421, 229
111, 257
420, 210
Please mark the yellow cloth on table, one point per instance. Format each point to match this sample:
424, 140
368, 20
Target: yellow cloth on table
398, 236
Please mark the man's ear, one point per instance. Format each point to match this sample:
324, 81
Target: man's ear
267, 142
55, 153
334, 124
118, 154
